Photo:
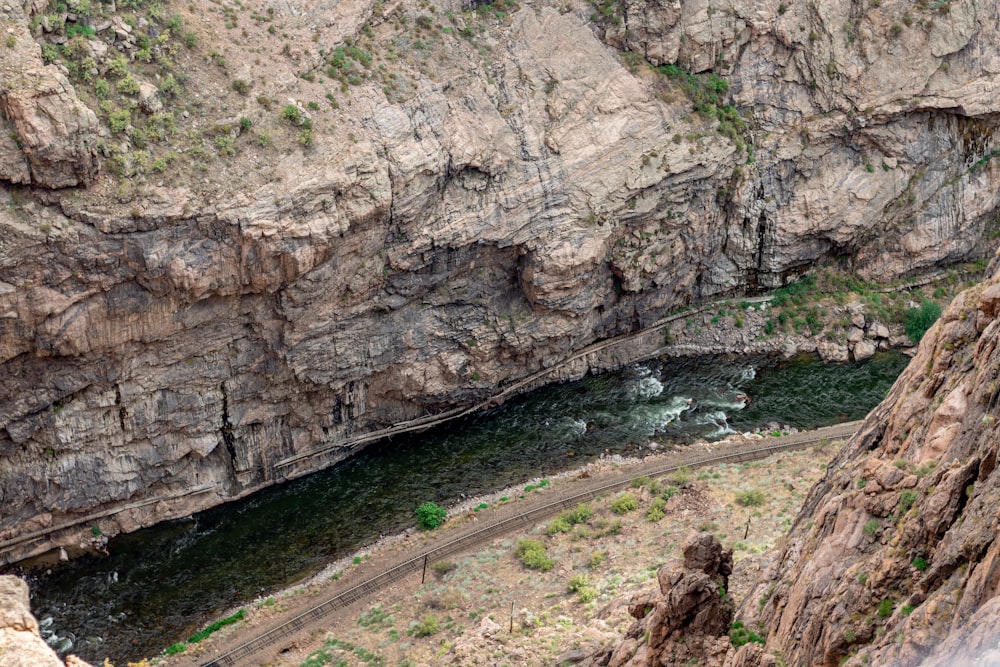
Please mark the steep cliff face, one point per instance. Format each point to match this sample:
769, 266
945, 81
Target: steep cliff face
168, 345
894, 558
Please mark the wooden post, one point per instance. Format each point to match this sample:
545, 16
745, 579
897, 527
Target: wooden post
423, 575
747, 531
511, 617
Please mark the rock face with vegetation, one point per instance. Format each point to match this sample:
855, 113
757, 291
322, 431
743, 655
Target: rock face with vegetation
688, 620
312, 222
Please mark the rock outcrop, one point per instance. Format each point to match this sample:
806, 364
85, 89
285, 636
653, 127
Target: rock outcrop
894, 558
47, 135
21, 644
687, 620
189, 345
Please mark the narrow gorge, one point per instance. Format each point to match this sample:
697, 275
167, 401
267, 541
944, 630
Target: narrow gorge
246, 251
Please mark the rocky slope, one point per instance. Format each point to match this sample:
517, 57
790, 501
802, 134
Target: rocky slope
489, 191
893, 559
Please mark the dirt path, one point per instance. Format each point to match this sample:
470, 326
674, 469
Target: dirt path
259, 640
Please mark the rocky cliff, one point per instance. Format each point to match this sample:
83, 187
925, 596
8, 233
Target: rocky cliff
893, 559
363, 214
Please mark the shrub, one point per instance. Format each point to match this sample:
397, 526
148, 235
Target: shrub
577, 583
175, 648
681, 476
669, 492
119, 120
639, 482
241, 86
306, 138
218, 625
425, 628
871, 527
128, 86
443, 567
753, 498
118, 66
740, 635
916, 321
885, 608
624, 503
430, 516
102, 89
533, 555
906, 500
655, 512
292, 114
920, 563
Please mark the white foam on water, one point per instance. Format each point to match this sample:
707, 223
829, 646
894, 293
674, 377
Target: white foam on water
658, 416
648, 387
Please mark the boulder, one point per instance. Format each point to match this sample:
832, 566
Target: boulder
864, 349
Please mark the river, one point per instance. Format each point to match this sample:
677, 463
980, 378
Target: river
160, 584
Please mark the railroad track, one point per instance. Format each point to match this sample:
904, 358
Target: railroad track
741, 453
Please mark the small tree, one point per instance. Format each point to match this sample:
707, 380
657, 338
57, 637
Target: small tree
917, 321
430, 516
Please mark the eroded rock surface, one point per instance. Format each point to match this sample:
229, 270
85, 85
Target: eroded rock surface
182, 350
47, 135
687, 620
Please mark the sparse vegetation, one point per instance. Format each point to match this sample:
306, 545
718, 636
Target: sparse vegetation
752, 498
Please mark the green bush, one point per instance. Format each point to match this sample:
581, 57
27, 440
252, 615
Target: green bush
916, 321
624, 503
425, 628
430, 516
669, 492
577, 583
885, 608
906, 500
533, 555
920, 563
655, 511
740, 635
119, 120
291, 113
871, 527
681, 476
174, 649
753, 498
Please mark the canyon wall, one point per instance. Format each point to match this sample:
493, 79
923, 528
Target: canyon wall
173, 342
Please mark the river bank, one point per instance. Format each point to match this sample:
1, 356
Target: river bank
615, 553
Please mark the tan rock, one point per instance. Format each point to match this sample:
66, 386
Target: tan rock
20, 643
864, 349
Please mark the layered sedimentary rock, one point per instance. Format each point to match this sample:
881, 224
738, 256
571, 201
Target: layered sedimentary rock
434, 248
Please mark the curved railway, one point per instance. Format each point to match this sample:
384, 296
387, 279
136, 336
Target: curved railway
516, 517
